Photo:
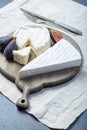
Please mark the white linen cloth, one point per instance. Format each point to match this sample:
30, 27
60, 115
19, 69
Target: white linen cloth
59, 106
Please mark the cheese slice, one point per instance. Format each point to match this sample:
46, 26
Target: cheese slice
61, 56
36, 36
22, 37
22, 56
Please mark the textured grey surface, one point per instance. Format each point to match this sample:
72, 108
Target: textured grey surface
4, 2
80, 123
83, 2
13, 119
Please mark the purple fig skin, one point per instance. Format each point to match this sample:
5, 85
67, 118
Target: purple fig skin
4, 41
9, 49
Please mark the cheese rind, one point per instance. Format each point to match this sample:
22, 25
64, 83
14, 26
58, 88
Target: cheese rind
61, 56
21, 56
36, 36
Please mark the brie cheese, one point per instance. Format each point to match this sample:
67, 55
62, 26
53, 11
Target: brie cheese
61, 56
21, 56
22, 37
36, 36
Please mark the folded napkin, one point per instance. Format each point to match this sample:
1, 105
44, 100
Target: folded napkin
59, 106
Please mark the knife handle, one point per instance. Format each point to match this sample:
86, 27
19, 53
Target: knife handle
68, 28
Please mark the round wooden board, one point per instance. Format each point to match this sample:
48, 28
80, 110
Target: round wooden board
35, 83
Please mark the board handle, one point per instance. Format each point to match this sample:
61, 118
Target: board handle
23, 103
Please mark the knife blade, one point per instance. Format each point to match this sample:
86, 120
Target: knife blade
40, 19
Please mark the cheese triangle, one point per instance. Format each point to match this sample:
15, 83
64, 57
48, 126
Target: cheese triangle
61, 56
21, 56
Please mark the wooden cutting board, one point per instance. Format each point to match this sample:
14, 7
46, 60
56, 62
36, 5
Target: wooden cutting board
32, 84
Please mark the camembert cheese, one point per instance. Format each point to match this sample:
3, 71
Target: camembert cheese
61, 56
22, 56
36, 36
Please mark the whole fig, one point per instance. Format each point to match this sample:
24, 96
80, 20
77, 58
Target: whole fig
9, 49
4, 41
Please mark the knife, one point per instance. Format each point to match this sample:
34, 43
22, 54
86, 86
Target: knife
42, 20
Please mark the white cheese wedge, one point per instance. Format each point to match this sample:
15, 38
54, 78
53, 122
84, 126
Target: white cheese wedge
22, 56
36, 36
22, 37
61, 56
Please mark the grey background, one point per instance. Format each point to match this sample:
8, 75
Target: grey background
13, 119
